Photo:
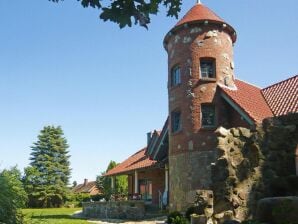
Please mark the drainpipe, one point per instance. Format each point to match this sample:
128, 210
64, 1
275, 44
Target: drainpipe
166, 178
136, 182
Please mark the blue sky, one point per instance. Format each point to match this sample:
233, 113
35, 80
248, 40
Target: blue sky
106, 87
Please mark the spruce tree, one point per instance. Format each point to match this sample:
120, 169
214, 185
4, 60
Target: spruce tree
47, 178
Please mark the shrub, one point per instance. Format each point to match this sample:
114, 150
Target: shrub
172, 216
12, 196
179, 220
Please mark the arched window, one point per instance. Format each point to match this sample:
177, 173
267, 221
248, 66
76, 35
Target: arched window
175, 76
207, 68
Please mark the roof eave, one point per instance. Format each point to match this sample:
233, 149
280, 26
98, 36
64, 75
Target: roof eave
228, 27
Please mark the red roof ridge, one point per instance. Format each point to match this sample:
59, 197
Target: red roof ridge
234, 88
254, 85
143, 148
278, 83
256, 109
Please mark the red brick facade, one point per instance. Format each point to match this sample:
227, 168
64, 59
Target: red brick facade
187, 45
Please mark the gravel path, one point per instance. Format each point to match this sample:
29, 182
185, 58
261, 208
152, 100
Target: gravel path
158, 220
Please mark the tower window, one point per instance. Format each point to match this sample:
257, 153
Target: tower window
208, 115
207, 68
175, 76
176, 121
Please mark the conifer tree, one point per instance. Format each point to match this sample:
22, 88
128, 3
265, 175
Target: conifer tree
47, 176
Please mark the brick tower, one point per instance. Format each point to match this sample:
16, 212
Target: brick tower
200, 57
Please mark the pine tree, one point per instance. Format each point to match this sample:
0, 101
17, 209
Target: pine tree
47, 178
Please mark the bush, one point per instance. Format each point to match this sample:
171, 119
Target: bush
97, 197
12, 196
173, 215
77, 199
179, 220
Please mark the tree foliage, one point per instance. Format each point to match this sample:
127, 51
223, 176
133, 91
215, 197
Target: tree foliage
12, 196
123, 12
104, 183
47, 176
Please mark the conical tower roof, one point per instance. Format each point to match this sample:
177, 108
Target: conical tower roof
199, 12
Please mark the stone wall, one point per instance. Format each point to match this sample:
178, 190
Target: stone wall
133, 210
254, 164
188, 172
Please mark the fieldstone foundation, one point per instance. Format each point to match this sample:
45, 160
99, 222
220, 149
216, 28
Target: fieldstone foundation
188, 173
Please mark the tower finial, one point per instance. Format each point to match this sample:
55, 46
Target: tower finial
199, 2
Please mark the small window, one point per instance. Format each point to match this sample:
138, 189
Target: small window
175, 76
207, 68
176, 121
208, 115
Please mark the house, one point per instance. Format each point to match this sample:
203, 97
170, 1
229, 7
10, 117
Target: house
88, 187
203, 95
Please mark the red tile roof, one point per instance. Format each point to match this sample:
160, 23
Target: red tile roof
86, 188
250, 99
199, 12
137, 161
282, 97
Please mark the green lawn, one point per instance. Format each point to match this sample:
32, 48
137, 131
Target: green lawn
52, 216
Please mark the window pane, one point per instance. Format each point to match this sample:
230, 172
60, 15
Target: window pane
207, 68
175, 76
208, 115
176, 121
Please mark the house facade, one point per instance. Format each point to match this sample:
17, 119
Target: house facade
203, 94
88, 187
146, 177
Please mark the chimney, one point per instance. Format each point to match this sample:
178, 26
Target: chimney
85, 182
149, 137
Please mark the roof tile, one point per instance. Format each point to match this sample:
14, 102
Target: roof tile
282, 97
250, 99
199, 12
137, 161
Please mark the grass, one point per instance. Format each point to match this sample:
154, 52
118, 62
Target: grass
52, 216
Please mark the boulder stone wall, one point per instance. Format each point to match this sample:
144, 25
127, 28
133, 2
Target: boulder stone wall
252, 165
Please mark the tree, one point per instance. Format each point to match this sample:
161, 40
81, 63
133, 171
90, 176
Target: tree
74, 184
104, 183
122, 11
47, 176
12, 196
